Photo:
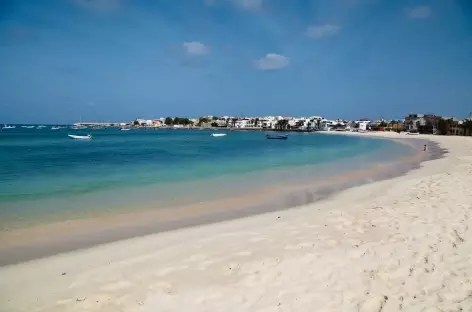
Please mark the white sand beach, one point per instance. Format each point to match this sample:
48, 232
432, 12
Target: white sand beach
395, 245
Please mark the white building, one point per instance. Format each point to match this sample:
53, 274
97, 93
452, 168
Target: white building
242, 123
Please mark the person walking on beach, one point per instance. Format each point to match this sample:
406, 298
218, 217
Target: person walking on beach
424, 148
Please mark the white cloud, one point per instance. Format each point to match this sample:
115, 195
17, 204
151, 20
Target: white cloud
321, 31
272, 61
419, 12
98, 5
195, 48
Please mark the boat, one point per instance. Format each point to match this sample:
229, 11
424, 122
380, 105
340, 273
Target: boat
218, 134
276, 137
29, 127
55, 128
78, 127
80, 137
125, 129
8, 127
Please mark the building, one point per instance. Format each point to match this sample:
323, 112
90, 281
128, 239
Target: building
456, 128
241, 123
363, 124
426, 124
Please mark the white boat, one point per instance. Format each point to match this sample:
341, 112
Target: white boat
29, 127
80, 137
218, 134
55, 128
8, 127
78, 127
40, 127
125, 129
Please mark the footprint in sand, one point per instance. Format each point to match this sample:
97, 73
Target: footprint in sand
205, 264
292, 247
204, 299
243, 254
197, 258
257, 239
168, 270
116, 286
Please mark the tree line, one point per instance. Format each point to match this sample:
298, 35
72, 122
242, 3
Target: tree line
169, 121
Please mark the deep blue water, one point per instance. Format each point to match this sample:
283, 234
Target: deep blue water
43, 172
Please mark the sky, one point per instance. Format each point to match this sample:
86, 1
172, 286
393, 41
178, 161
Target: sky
116, 60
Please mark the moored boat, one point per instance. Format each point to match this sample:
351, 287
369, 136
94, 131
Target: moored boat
276, 137
80, 137
78, 127
218, 134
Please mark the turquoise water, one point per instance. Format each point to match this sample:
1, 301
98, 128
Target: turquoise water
44, 175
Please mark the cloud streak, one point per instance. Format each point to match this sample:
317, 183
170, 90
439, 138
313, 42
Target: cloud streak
102, 6
322, 31
419, 12
249, 5
272, 61
246, 5
195, 48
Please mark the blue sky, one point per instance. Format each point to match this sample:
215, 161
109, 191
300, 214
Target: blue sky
113, 60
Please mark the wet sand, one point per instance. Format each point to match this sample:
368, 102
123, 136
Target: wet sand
30, 243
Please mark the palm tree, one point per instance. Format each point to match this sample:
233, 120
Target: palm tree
282, 124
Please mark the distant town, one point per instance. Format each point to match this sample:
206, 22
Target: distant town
412, 123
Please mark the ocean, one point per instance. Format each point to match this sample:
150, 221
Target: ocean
47, 177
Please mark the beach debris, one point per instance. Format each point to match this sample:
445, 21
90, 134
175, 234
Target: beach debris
63, 273
81, 299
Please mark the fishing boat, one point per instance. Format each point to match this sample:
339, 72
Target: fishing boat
276, 137
8, 127
80, 137
218, 134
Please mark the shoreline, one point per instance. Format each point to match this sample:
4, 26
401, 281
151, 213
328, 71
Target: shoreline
30, 243
397, 244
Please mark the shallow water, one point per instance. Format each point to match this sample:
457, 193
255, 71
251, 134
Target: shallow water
45, 176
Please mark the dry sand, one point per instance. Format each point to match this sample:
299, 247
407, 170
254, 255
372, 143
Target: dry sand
394, 245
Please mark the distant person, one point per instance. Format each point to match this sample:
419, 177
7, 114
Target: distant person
424, 148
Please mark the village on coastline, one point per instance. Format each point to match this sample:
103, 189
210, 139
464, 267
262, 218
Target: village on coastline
412, 123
